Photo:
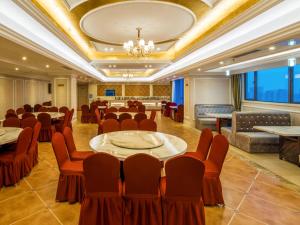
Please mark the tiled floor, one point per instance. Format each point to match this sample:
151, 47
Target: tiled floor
253, 195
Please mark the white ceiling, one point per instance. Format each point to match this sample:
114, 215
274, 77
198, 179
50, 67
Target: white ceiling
117, 23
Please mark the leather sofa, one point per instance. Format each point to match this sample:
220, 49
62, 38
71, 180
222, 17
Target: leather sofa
244, 136
203, 121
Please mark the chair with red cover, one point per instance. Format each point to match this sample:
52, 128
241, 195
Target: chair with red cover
123, 109
10, 111
70, 119
36, 107
53, 109
204, 143
71, 181
43, 109
167, 111
163, 106
110, 116
47, 130
142, 199
27, 115
99, 121
129, 124
148, 125
20, 111
152, 115
141, 108
11, 115
11, 122
13, 164
124, 116
139, 117
63, 109
33, 148
212, 188
27, 108
29, 122
179, 114
85, 114
93, 107
111, 110
102, 203
132, 109
110, 125
73, 153
181, 190
61, 124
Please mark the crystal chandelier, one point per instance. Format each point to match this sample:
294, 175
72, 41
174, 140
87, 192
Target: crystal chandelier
140, 48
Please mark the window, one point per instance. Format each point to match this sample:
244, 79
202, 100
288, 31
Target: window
272, 85
178, 91
249, 85
296, 84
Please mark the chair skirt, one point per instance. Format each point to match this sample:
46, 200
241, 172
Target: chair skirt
85, 118
45, 135
33, 156
102, 209
212, 191
183, 211
13, 169
70, 188
142, 210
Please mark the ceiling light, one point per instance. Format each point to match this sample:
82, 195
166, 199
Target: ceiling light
227, 73
199, 69
109, 66
111, 49
114, 66
291, 62
106, 49
24, 58
146, 66
16, 68
150, 66
221, 63
271, 48
139, 48
291, 42
158, 49
47, 66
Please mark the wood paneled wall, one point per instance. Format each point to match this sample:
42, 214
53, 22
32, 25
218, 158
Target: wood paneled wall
162, 90
137, 90
102, 87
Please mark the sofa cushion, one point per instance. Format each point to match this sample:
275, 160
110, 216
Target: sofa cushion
207, 120
257, 138
202, 109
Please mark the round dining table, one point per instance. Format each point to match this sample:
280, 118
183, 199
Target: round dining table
9, 134
122, 144
53, 115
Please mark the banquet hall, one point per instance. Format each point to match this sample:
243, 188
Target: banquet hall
149, 112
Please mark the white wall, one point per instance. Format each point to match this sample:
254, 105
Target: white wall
15, 92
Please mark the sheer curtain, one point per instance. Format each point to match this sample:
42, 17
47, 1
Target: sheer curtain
236, 87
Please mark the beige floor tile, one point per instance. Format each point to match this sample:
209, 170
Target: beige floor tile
44, 217
232, 197
217, 216
43, 178
8, 192
48, 194
240, 219
67, 213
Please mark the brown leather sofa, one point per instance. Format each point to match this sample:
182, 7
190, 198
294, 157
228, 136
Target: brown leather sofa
244, 136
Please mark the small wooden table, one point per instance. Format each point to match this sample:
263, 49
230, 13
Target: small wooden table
222, 118
289, 141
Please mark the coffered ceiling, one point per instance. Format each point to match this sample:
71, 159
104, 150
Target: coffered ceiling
99, 28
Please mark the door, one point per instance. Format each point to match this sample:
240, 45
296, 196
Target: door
82, 95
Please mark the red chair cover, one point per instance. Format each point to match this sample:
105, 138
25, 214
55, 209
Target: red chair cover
63, 109
71, 182
73, 153
93, 107
124, 116
99, 121
10, 111
27, 108
111, 110
70, 118
110, 125
11, 122
36, 107
47, 129
167, 109
110, 116
14, 164
9, 115
61, 124
140, 116
129, 124
43, 109
20, 111
148, 125
141, 108
33, 148
179, 115
29, 122
163, 107
204, 143
153, 115
53, 109
132, 109
212, 188
142, 200
27, 114
86, 115
181, 189
102, 204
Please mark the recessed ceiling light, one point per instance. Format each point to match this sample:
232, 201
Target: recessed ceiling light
271, 48
199, 69
221, 63
291, 42
158, 49
47, 66
17, 68
106, 49
146, 66
111, 49
150, 66
114, 66
227, 73
109, 66
24, 58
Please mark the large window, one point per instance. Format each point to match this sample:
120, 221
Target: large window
281, 84
178, 91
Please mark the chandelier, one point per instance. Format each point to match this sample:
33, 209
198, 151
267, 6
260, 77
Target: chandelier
140, 48
127, 75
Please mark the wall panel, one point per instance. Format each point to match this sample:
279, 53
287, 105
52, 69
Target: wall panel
162, 90
137, 90
102, 87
